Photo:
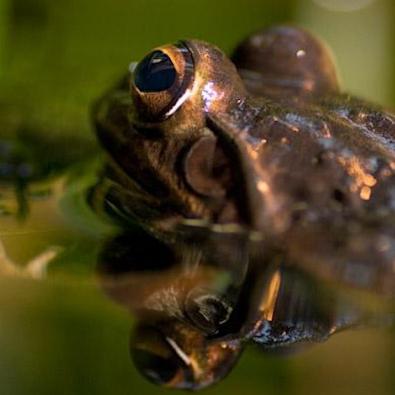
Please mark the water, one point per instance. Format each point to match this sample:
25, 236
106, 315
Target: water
142, 308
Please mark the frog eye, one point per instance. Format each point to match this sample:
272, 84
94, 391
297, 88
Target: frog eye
155, 73
161, 82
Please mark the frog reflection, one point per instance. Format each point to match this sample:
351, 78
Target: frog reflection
201, 300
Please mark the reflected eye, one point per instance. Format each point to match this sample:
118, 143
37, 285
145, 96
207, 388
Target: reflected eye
156, 360
174, 355
156, 368
155, 73
161, 81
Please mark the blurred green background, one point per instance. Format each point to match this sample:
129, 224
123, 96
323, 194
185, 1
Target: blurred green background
63, 336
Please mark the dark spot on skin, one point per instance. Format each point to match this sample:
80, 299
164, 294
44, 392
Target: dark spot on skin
339, 196
319, 159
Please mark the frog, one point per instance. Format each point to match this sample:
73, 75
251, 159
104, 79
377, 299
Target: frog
264, 143
288, 179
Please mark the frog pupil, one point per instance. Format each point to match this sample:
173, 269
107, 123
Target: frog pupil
155, 73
